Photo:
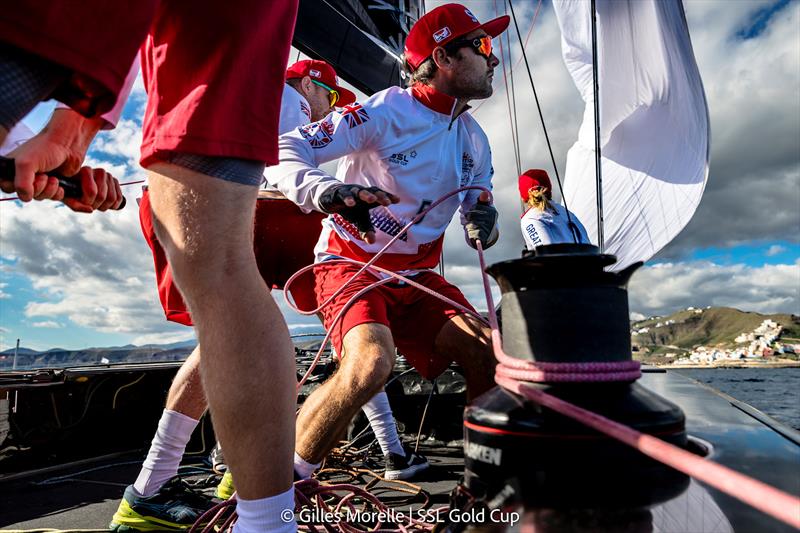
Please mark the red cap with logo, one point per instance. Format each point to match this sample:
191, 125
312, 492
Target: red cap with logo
534, 177
324, 73
443, 24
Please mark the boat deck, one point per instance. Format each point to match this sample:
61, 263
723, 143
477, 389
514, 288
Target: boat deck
84, 495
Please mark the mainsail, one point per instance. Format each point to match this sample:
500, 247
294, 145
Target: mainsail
654, 126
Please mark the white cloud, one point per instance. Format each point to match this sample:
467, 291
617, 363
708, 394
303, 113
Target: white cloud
94, 270
664, 288
50, 324
775, 249
123, 141
4, 295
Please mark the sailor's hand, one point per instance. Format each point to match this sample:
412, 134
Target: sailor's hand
32, 160
100, 190
482, 222
58, 149
353, 202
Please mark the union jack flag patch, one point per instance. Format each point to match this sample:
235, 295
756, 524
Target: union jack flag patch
354, 115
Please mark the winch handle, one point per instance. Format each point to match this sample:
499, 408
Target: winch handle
72, 188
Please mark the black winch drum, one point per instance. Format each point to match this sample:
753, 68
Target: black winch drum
560, 305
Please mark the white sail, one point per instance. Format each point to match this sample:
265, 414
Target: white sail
654, 127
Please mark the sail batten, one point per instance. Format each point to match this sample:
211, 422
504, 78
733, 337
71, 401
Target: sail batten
654, 126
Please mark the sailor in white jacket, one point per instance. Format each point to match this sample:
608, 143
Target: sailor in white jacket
399, 151
545, 222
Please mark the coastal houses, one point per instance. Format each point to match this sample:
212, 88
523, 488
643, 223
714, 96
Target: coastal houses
754, 345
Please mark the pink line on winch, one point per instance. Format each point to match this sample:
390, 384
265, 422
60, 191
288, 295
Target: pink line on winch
761, 496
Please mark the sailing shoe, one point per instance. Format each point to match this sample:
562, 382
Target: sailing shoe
225, 489
217, 460
400, 467
175, 507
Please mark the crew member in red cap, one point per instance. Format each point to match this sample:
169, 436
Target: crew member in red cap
418, 144
317, 83
546, 222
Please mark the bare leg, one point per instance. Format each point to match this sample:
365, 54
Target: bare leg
205, 225
468, 342
362, 374
186, 394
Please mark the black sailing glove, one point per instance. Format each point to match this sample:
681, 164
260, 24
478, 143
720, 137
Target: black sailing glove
482, 225
353, 202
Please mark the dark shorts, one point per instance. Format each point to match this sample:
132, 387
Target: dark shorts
414, 317
283, 241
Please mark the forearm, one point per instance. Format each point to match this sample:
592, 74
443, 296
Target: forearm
297, 175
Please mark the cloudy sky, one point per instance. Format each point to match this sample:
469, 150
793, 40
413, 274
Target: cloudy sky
70, 281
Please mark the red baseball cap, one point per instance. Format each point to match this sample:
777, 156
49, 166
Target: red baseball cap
443, 24
534, 177
323, 73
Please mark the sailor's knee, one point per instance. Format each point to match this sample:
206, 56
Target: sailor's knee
367, 374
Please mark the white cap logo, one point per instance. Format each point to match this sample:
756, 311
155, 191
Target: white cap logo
470, 15
442, 34
315, 73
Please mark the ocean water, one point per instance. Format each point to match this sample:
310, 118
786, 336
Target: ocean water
774, 391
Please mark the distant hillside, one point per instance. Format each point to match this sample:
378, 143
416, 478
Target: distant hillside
675, 334
708, 327
59, 358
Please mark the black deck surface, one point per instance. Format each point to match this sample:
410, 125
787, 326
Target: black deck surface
85, 496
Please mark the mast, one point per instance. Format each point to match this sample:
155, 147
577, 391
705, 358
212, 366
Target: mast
598, 166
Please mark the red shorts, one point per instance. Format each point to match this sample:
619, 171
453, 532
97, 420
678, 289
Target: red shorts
284, 239
214, 75
414, 317
96, 40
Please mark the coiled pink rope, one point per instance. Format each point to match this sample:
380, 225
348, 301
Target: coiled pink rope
512, 374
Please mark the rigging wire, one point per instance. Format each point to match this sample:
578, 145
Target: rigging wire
598, 165
519, 61
511, 116
514, 96
571, 224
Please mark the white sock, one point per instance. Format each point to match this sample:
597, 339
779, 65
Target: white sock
303, 468
172, 436
379, 413
274, 514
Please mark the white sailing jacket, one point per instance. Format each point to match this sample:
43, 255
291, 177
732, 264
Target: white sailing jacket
550, 227
295, 112
406, 142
